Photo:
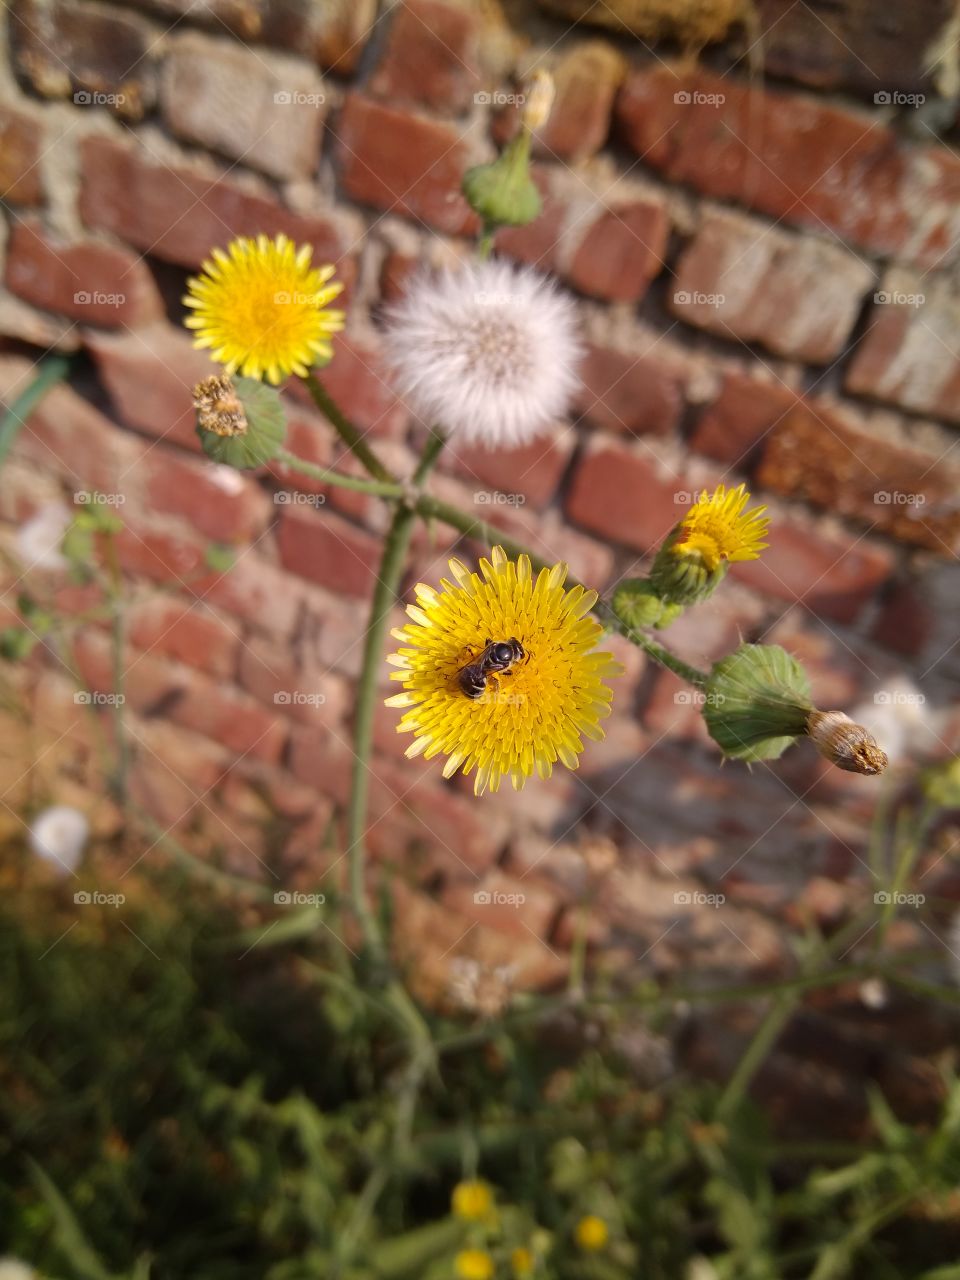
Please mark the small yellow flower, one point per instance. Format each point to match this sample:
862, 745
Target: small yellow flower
525, 717
591, 1233
716, 528
521, 1260
472, 1201
261, 308
473, 1264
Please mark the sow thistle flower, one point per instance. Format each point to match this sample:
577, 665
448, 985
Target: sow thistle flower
534, 711
487, 352
716, 532
262, 309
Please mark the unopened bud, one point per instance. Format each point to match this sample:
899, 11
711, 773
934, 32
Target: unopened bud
847, 745
540, 93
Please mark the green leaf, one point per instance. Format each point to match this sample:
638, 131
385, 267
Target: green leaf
266, 428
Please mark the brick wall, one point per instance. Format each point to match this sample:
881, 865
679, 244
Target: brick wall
767, 276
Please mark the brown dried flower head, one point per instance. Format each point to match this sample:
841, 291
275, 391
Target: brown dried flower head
847, 745
218, 406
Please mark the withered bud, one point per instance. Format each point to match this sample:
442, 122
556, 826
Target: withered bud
847, 745
218, 406
540, 93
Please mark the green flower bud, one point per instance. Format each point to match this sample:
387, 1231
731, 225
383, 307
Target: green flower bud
684, 577
240, 421
502, 192
636, 603
757, 702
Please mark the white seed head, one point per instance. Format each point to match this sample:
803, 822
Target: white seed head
38, 539
486, 353
59, 836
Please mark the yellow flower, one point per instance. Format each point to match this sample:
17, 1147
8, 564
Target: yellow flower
473, 1264
521, 1260
261, 308
591, 1232
519, 720
472, 1201
716, 528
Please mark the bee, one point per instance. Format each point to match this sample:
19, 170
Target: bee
496, 659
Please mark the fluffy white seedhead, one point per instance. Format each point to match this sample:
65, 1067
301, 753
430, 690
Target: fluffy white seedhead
59, 836
38, 540
487, 353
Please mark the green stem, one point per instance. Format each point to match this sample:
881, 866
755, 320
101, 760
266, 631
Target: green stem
384, 597
122, 746
347, 432
51, 371
379, 488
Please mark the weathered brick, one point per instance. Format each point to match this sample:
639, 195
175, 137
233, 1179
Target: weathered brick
832, 576
821, 458
22, 323
794, 294
620, 251
179, 213
746, 409
173, 770
263, 110
674, 710
513, 476
21, 146
620, 494
430, 57
87, 280
811, 164
906, 619
102, 53
335, 33
909, 355
273, 674
326, 549
187, 631
505, 903
162, 359
620, 391
404, 164
356, 380
220, 502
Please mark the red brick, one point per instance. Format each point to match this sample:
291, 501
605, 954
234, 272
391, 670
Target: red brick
261, 594
794, 294
265, 111
811, 164
21, 146
172, 771
102, 53
906, 621
505, 903
328, 550
404, 164
833, 577
538, 243
822, 458
674, 710
430, 59
97, 283
160, 556
220, 502
909, 355
356, 380
149, 376
335, 33
586, 81
188, 632
838, 675
19, 323
639, 394
531, 473
743, 413
179, 213
621, 251
620, 495
273, 674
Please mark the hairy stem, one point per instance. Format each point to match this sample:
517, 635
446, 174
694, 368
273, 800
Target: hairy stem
379, 488
345, 429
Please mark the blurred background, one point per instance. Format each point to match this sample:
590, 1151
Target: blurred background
712, 1009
